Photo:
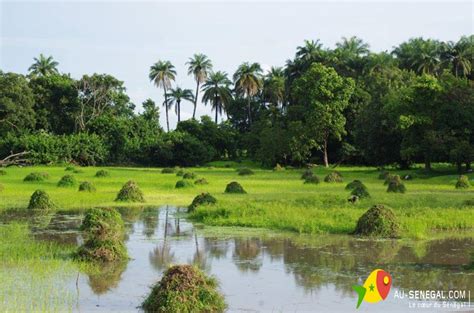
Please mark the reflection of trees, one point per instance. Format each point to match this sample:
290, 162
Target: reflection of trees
150, 221
200, 258
215, 248
161, 257
247, 254
106, 277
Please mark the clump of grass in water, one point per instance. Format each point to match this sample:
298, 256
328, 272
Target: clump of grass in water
189, 175
334, 177
40, 201
104, 230
378, 221
184, 288
234, 187
183, 184
130, 192
36, 177
396, 185
201, 181
312, 180
463, 182
67, 181
102, 173
87, 186
245, 171
203, 198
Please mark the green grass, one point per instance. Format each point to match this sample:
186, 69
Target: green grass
276, 199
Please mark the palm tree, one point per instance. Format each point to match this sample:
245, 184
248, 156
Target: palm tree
176, 96
43, 66
459, 55
217, 92
310, 51
248, 82
274, 86
353, 46
161, 74
199, 66
419, 55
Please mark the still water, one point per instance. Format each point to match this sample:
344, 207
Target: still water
267, 272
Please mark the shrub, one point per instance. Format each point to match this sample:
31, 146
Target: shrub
203, 198
3, 172
70, 168
189, 175
353, 184
234, 187
184, 288
67, 181
201, 181
180, 173
102, 173
312, 180
168, 170
307, 173
40, 201
130, 192
36, 177
384, 174
87, 186
463, 182
378, 221
334, 177
278, 168
396, 185
245, 171
361, 192
183, 184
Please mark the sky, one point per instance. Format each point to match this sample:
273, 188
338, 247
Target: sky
124, 38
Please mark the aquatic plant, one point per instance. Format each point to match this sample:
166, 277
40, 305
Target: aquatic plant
333, 177
189, 175
245, 171
312, 180
37, 176
234, 187
130, 192
307, 173
203, 198
168, 170
184, 288
396, 185
40, 201
102, 173
353, 184
67, 181
378, 221
183, 184
201, 181
87, 186
463, 182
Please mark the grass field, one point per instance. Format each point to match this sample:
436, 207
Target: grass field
275, 200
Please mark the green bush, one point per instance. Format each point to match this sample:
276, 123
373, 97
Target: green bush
35, 177
361, 192
168, 170
3, 172
184, 288
378, 221
130, 192
183, 184
334, 177
67, 181
201, 181
353, 184
40, 201
203, 198
245, 171
463, 182
307, 173
312, 180
87, 186
102, 173
189, 175
396, 185
234, 187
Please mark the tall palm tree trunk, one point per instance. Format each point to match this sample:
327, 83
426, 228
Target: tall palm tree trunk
249, 111
215, 107
166, 109
196, 99
178, 103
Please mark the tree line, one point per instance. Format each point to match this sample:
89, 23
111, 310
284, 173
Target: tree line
414, 104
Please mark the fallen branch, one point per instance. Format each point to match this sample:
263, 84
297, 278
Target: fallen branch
14, 159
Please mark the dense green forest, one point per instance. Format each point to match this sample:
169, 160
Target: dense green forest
414, 104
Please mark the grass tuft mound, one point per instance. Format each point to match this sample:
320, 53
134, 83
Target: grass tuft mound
189, 175
278, 168
130, 192
245, 171
183, 184
334, 177
180, 173
312, 180
70, 168
384, 174
396, 185
40, 201
67, 181
36, 177
378, 221
102, 173
87, 186
463, 182
354, 184
361, 192
168, 170
184, 288
307, 173
201, 181
234, 187
203, 198
3, 172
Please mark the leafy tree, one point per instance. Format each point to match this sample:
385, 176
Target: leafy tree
151, 112
274, 87
353, 46
199, 66
217, 92
161, 74
419, 55
248, 82
459, 56
176, 95
43, 66
325, 95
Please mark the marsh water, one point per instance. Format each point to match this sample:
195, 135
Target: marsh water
260, 271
